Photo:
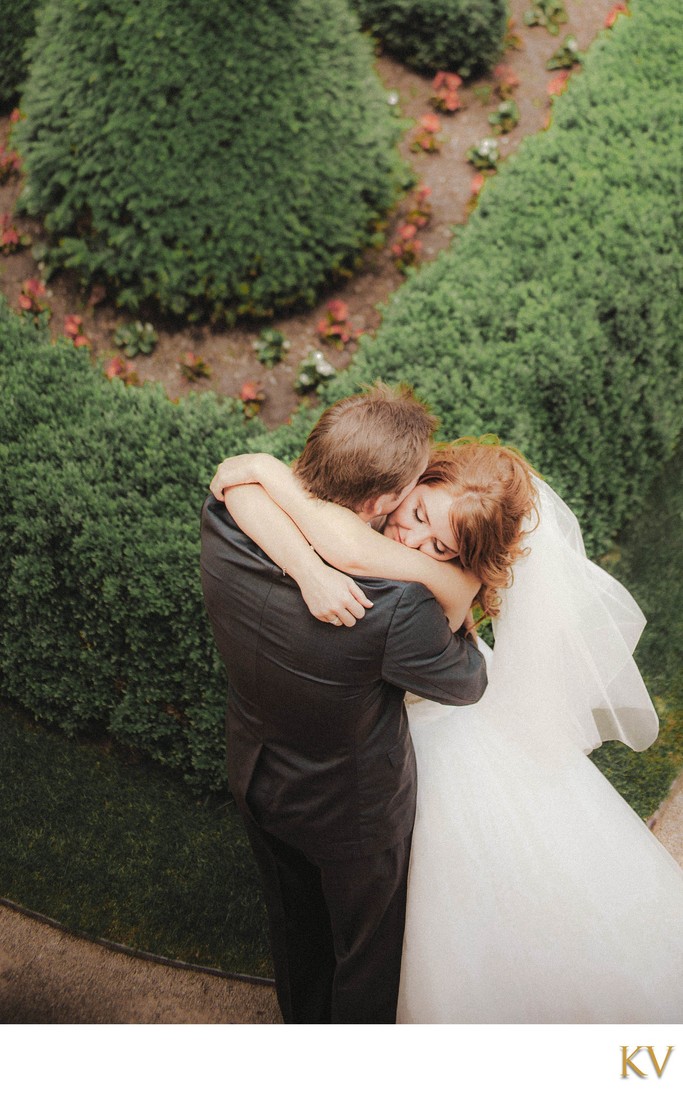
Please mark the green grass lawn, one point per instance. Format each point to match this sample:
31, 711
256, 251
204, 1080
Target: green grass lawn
121, 850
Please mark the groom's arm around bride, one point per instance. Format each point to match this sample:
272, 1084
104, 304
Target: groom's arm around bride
321, 763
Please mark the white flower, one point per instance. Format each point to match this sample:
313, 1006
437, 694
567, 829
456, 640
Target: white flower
392, 99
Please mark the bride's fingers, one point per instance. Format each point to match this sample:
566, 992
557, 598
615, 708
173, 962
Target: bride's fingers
357, 604
345, 618
359, 595
218, 485
356, 609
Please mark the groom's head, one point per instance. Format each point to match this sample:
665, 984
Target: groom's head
367, 451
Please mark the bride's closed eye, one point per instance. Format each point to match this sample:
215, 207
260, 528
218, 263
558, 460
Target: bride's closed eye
436, 546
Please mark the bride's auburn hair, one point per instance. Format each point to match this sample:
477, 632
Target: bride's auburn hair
493, 493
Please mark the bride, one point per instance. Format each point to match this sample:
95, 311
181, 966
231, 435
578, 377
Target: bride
536, 894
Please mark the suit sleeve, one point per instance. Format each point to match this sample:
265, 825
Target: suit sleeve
423, 656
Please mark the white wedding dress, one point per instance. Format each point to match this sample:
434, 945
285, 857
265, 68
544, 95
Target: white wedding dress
536, 894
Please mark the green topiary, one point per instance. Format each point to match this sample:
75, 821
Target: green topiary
102, 614
554, 319
463, 36
18, 26
204, 156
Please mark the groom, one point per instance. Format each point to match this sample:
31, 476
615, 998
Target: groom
320, 760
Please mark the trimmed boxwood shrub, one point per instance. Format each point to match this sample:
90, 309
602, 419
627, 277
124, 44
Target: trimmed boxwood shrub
554, 318
18, 25
101, 612
204, 156
463, 36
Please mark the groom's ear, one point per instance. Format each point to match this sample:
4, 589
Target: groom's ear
371, 508
382, 505
379, 506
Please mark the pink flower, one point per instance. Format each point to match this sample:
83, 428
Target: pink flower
9, 238
117, 367
505, 76
72, 324
614, 13
407, 232
445, 86
430, 123
251, 392
32, 291
558, 83
338, 310
451, 81
34, 287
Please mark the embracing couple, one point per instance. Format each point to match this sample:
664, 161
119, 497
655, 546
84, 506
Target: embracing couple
471, 865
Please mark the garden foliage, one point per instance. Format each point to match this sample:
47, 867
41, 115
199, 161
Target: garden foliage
207, 157
554, 318
18, 25
463, 36
101, 486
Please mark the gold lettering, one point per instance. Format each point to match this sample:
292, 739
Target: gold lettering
659, 1069
626, 1062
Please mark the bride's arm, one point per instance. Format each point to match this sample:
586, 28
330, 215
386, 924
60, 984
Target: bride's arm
328, 594
344, 540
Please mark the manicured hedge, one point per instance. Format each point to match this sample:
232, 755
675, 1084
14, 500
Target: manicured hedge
207, 156
554, 318
18, 25
102, 621
463, 36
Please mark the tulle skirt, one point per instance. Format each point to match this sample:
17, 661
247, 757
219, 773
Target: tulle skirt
536, 894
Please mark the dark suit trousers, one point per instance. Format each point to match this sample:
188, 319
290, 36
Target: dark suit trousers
336, 931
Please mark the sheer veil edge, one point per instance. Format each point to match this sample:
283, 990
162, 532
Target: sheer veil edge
565, 639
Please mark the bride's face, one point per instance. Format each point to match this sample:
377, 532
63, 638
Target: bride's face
422, 522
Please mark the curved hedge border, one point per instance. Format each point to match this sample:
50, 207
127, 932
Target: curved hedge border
204, 157
18, 26
572, 353
463, 36
101, 609
554, 318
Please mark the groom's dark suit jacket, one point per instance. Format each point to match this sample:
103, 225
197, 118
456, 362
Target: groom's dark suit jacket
318, 742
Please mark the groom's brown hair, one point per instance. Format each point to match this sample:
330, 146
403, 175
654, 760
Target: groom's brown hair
366, 445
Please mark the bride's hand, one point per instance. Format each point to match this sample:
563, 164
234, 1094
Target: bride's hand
238, 470
333, 597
